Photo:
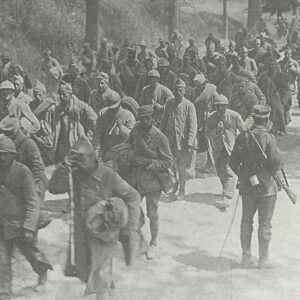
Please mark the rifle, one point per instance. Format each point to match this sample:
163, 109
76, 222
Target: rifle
283, 185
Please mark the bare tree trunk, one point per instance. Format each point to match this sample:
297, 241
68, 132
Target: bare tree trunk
92, 23
254, 15
173, 16
225, 19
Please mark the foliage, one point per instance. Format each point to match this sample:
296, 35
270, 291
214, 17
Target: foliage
272, 6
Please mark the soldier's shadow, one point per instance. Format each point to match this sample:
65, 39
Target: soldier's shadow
202, 260
203, 198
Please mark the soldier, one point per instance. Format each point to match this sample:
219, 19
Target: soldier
179, 124
113, 127
222, 129
257, 186
20, 208
81, 88
19, 90
74, 119
10, 106
155, 94
151, 160
103, 92
243, 100
167, 76
98, 217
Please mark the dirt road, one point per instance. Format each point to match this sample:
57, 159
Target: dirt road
188, 265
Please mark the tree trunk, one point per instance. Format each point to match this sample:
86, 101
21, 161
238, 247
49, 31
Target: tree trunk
173, 16
225, 19
92, 23
254, 15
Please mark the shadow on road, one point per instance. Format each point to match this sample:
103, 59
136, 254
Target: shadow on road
203, 198
202, 260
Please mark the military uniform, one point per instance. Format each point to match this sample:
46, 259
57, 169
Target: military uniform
95, 244
245, 162
222, 140
179, 124
152, 155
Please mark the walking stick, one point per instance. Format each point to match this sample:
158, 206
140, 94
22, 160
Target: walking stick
230, 226
70, 268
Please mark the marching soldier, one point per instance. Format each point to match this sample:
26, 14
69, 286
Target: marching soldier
222, 129
257, 185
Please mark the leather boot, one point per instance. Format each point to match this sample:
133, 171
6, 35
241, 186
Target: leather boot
264, 261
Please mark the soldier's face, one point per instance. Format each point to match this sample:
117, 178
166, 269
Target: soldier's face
180, 91
6, 159
65, 98
221, 109
38, 96
146, 122
18, 87
103, 85
6, 94
257, 43
242, 87
153, 80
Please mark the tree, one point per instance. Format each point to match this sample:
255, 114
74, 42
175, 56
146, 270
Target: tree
279, 6
92, 23
254, 15
173, 16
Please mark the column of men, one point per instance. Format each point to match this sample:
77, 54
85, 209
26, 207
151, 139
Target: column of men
145, 115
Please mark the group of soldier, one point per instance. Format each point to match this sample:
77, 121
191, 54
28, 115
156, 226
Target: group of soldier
122, 126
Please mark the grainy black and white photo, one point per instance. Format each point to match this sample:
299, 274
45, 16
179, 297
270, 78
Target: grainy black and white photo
149, 149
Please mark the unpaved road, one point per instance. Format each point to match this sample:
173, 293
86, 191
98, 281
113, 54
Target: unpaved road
192, 234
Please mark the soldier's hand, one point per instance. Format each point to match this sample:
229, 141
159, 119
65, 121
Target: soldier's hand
157, 106
259, 189
28, 236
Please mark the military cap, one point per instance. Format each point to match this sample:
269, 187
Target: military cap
180, 83
65, 87
145, 110
261, 111
200, 78
221, 99
191, 41
153, 73
10, 124
39, 87
7, 85
103, 76
18, 79
163, 62
7, 145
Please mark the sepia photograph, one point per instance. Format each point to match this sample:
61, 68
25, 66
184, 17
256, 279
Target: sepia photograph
149, 149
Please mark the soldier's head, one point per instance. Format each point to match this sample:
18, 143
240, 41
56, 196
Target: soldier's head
191, 42
143, 45
243, 85
244, 52
19, 84
65, 93
131, 54
180, 89
288, 53
39, 91
7, 90
221, 105
73, 69
257, 43
10, 126
199, 80
153, 77
145, 117
83, 156
261, 114
210, 49
7, 152
103, 42
163, 66
102, 81
5, 57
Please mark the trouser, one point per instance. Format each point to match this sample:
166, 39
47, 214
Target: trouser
226, 175
192, 166
152, 200
36, 258
181, 159
265, 206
